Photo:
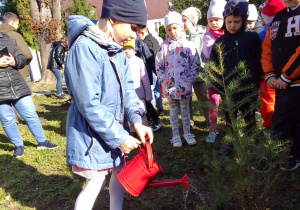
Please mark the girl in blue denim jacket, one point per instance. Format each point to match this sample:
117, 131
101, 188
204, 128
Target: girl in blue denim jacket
103, 98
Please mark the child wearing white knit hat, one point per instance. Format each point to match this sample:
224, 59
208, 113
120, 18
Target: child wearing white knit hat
216, 8
253, 21
173, 18
215, 23
177, 63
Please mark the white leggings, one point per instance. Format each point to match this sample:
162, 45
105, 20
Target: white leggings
88, 195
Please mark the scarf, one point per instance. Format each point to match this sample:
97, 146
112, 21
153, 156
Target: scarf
97, 35
216, 33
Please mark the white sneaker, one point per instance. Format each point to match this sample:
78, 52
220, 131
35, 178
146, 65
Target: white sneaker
190, 138
176, 141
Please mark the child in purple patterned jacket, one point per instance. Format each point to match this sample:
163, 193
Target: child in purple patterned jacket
177, 63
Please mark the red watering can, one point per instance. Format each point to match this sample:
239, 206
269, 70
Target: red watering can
140, 172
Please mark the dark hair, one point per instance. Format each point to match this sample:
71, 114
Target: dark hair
9, 16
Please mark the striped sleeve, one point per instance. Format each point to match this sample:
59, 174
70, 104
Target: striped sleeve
292, 69
266, 57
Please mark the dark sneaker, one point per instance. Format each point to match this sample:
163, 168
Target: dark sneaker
291, 165
46, 145
150, 123
61, 96
226, 148
156, 125
263, 166
161, 112
19, 152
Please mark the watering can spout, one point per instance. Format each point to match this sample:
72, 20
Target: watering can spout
184, 181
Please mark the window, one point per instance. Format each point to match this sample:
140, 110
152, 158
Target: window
157, 25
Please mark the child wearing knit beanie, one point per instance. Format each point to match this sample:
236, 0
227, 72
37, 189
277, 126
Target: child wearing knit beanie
98, 79
215, 23
195, 33
254, 22
140, 78
238, 45
177, 63
270, 8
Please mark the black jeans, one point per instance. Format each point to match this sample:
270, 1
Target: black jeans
286, 118
151, 112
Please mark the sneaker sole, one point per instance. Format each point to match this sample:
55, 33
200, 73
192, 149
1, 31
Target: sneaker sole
209, 141
38, 148
19, 155
291, 169
158, 127
178, 146
190, 144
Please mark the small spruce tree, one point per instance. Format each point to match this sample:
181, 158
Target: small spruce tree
234, 182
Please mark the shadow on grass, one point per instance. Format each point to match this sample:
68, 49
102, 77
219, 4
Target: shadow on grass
31, 188
55, 113
8, 146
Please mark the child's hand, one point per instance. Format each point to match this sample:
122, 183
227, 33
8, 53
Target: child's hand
280, 84
271, 82
144, 132
130, 144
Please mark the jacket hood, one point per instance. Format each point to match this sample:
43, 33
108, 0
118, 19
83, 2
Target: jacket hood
200, 31
258, 27
76, 25
4, 28
81, 25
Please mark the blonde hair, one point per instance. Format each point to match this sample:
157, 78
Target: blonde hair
106, 27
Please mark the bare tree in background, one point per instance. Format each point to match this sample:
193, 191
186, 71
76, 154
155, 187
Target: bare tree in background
46, 17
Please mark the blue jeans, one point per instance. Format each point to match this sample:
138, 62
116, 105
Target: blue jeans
157, 94
59, 88
26, 109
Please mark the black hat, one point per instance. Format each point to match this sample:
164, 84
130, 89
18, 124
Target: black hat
129, 11
236, 8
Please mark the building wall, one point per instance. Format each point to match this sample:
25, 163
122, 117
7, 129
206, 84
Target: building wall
153, 25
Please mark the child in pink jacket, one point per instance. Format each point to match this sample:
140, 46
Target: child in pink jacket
139, 76
215, 22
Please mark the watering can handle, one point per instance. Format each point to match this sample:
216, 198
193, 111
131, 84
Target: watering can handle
149, 153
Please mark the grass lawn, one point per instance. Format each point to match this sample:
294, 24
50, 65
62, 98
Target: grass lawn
41, 179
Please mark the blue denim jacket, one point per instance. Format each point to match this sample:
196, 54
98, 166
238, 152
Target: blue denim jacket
92, 74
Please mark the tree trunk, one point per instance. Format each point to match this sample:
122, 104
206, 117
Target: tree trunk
57, 15
41, 12
56, 9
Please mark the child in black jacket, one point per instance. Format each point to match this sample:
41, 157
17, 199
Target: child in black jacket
239, 45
